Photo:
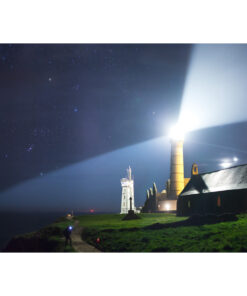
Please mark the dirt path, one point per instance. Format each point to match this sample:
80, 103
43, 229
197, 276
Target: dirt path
78, 243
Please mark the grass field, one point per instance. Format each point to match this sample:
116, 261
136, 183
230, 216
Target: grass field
132, 236
151, 233
114, 221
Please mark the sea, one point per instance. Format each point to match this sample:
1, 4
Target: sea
12, 224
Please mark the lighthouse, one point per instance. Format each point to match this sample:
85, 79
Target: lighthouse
176, 168
166, 199
177, 181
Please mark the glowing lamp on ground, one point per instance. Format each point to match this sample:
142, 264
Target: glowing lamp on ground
167, 207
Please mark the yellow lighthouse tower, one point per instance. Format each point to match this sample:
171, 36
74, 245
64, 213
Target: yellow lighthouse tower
177, 181
166, 200
177, 168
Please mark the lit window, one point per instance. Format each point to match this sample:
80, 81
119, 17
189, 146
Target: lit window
189, 204
218, 201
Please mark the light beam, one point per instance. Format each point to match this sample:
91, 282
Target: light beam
215, 87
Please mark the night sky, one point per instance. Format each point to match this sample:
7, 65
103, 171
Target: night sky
74, 117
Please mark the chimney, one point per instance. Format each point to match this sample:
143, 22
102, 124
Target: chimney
194, 170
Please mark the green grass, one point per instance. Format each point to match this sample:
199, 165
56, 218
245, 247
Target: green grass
220, 237
114, 221
54, 233
132, 236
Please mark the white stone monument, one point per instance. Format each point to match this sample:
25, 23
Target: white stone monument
127, 193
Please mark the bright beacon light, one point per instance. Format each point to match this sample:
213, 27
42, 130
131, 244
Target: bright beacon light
177, 133
167, 206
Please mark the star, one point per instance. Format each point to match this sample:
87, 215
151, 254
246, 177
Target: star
75, 109
49, 79
30, 148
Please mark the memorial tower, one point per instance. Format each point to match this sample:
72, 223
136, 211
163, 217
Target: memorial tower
127, 193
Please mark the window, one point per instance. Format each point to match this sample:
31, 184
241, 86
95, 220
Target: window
189, 204
218, 201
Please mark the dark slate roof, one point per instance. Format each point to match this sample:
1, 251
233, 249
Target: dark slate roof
233, 178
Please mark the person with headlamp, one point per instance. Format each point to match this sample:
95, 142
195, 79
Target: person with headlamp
67, 233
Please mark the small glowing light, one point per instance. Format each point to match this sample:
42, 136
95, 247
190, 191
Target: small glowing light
177, 133
70, 227
167, 206
225, 164
91, 211
235, 159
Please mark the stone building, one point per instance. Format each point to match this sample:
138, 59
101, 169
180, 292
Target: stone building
223, 191
160, 201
